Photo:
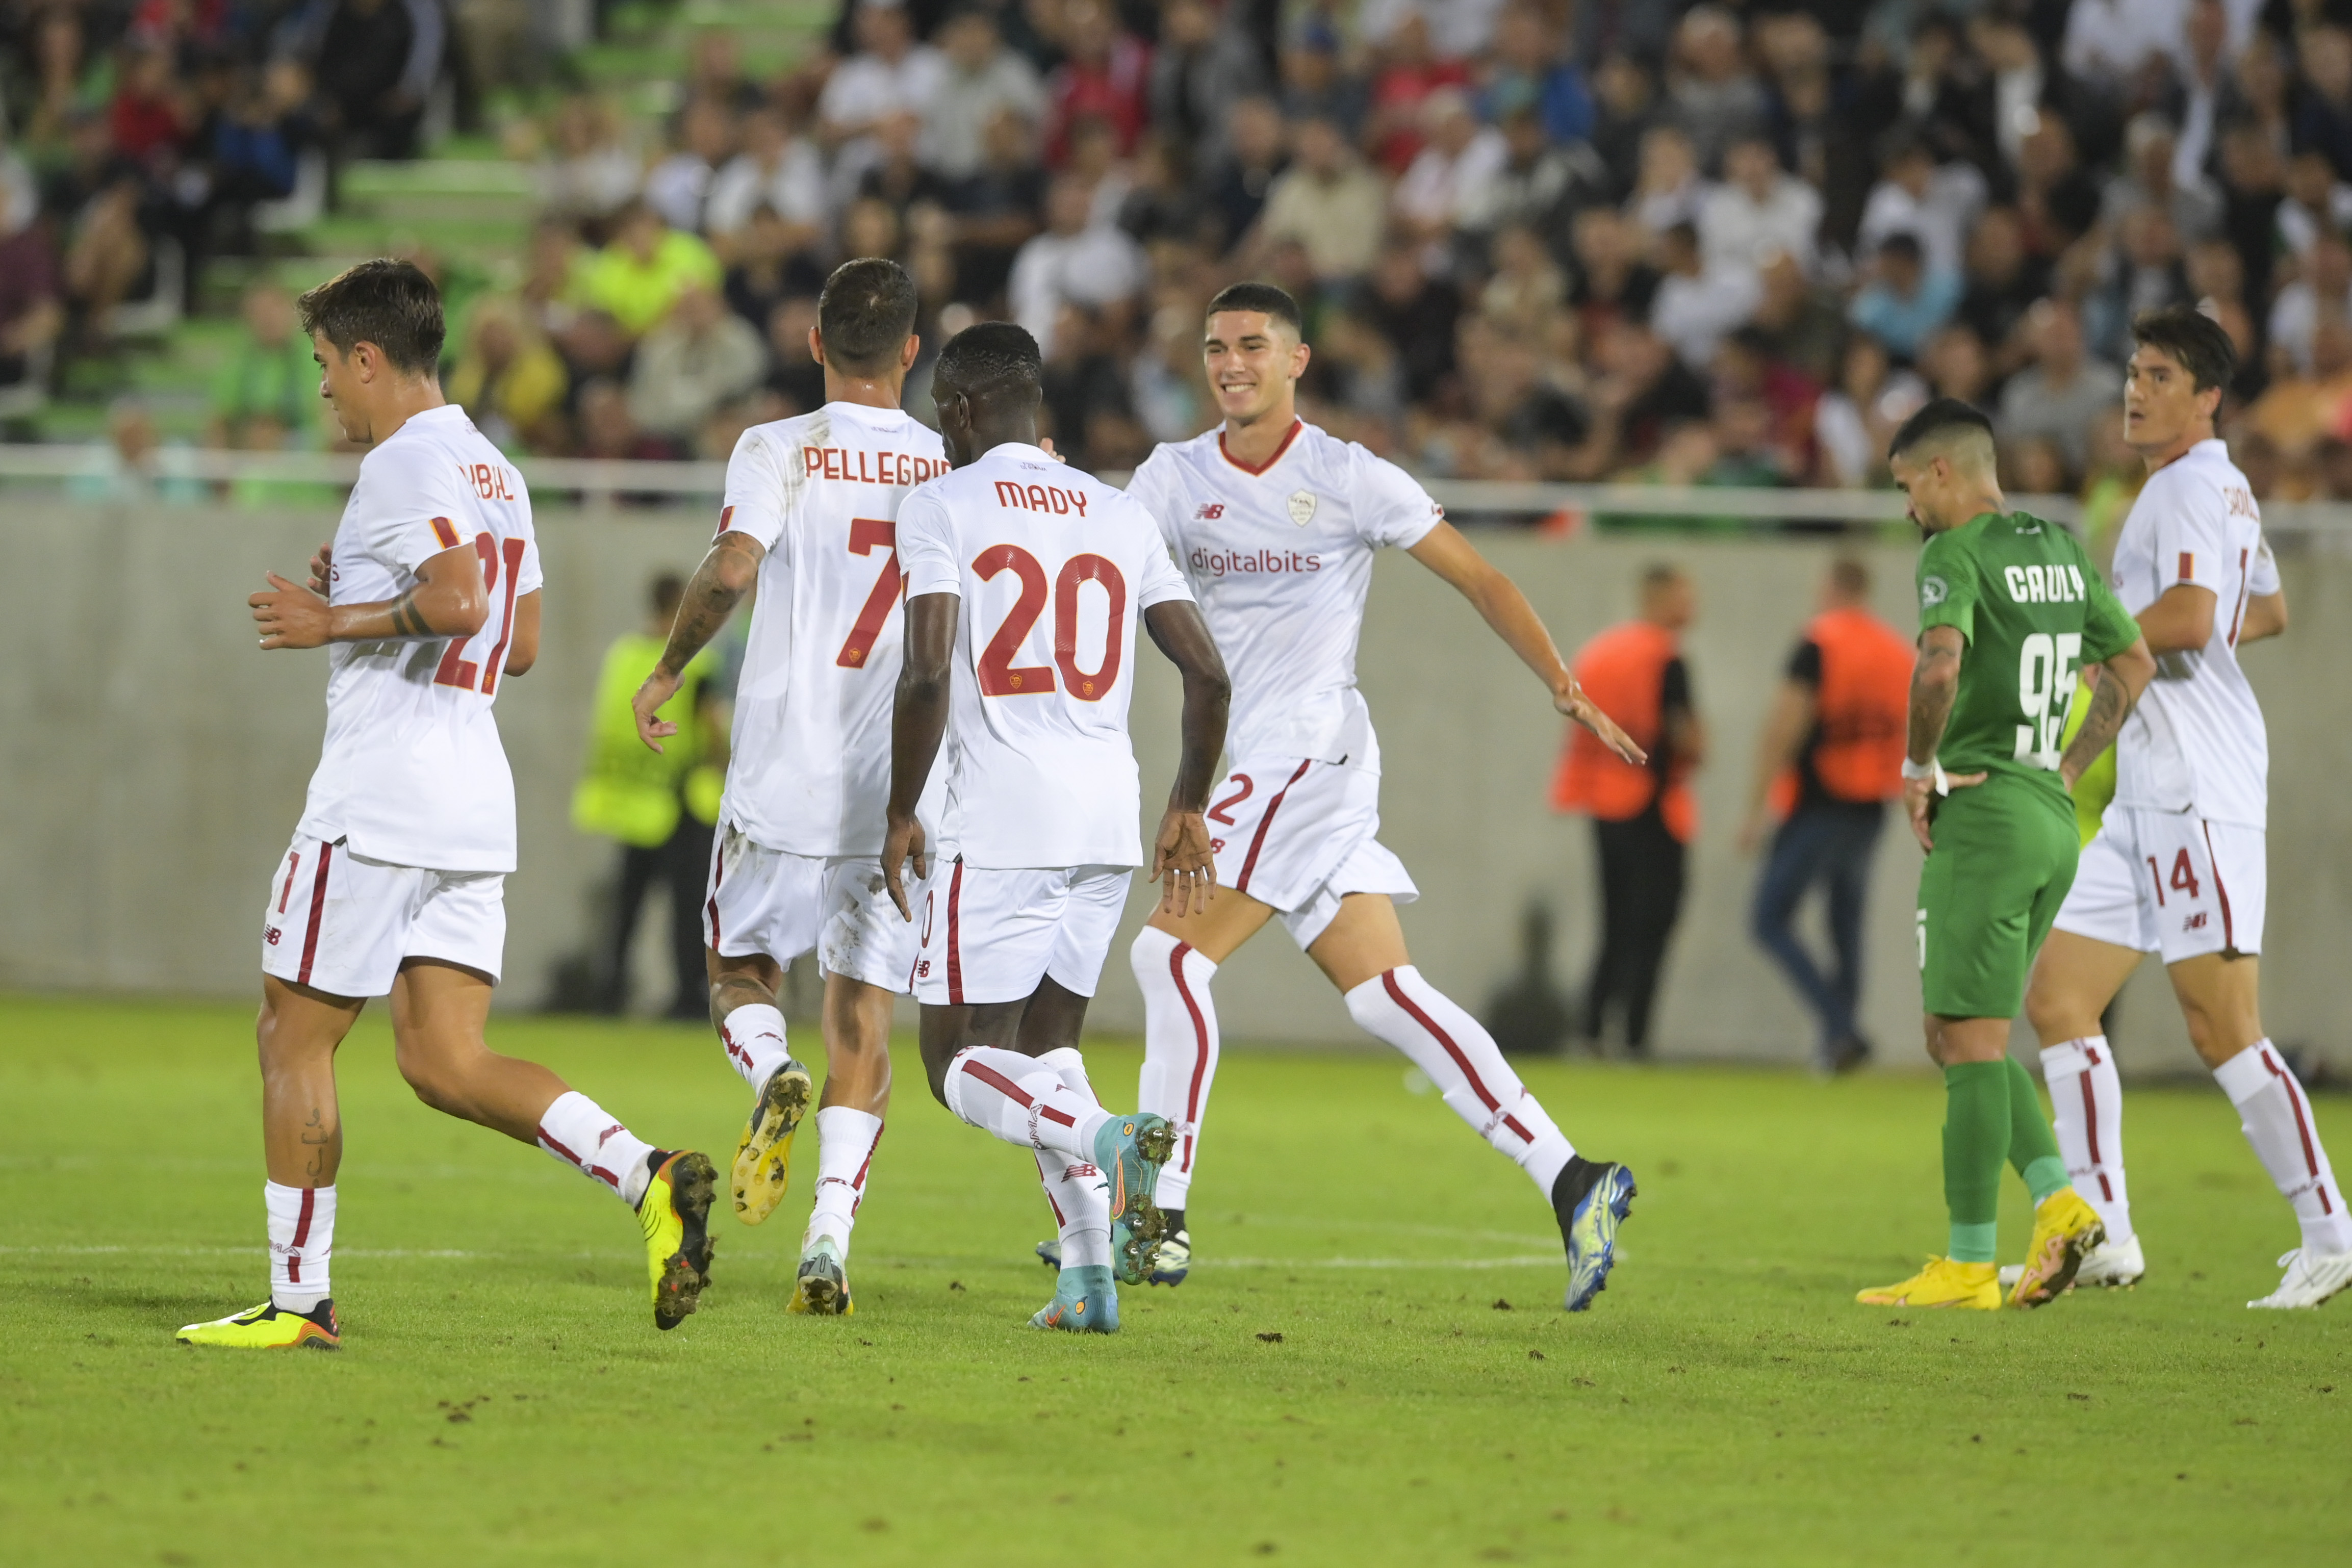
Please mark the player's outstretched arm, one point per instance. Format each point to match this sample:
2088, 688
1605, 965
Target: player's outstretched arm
448, 600
718, 585
919, 720
1786, 724
1498, 600
2180, 621
2116, 688
2265, 616
1935, 684
522, 647
1181, 853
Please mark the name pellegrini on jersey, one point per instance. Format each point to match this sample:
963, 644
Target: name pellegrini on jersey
858, 466
2050, 584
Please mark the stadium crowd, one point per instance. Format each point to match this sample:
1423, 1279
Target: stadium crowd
1563, 239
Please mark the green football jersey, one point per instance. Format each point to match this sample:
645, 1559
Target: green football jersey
2034, 610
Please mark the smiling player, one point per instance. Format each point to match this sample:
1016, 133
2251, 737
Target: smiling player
1275, 523
2178, 867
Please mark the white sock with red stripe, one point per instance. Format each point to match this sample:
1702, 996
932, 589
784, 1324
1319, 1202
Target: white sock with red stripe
301, 1240
2086, 1112
1462, 1059
1075, 1188
1180, 1048
846, 1141
754, 1039
578, 1130
1023, 1102
2275, 1117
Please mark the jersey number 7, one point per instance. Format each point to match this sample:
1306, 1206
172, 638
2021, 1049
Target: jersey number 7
456, 669
865, 533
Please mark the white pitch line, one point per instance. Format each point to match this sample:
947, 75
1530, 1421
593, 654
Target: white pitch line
1539, 1259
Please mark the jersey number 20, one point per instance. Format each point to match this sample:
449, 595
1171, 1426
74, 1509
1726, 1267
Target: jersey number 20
999, 676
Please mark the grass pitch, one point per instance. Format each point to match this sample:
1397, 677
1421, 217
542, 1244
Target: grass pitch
1341, 1381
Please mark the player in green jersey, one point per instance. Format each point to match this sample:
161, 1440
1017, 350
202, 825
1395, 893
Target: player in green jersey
2011, 608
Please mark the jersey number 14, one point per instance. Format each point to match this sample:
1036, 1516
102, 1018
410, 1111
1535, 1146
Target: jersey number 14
2046, 668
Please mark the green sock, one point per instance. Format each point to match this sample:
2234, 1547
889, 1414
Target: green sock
2033, 1149
1976, 1145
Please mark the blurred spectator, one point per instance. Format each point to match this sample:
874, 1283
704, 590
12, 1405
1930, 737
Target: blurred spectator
1530, 68
2110, 41
2323, 119
588, 172
714, 73
1540, 186
153, 112
1667, 189
373, 62
1407, 72
1167, 389
892, 73
1238, 184
2065, 392
2003, 282
2315, 202
1906, 299
2144, 273
1315, 85
2307, 402
267, 392
1625, 107
1104, 74
257, 145
2324, 287
1203, 65
1955, 364
1417, 314
2152, 179
1695, 305
510, 380
607, 429
1328, 202
1082, 385
1854, 421
128, 466
636, 277
1933, 203
1611, 279
1757, 212
994, 212
1799, 320
702, 355
1715, 96
770, 266
679, 186
983, 78
1747, 372
1527, 286
793, 375
1448, 179
1072, 264
32, 307
776, 168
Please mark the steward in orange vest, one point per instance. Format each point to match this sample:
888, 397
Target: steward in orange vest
1642, 814
1829, 758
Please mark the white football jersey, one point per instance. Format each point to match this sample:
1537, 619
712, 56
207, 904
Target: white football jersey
412, 771
2195, 740
810, 773
1055, 568
1281, 561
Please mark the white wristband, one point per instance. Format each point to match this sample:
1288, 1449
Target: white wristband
1930, 769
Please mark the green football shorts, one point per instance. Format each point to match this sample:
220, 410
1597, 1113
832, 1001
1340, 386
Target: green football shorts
2004, 857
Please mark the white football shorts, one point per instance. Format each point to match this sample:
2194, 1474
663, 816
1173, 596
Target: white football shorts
1297, 834
2169, 883
783, 905
991, 935
342, 923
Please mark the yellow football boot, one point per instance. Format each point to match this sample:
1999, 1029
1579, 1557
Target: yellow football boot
763, 1155
267, 1327
822, 1289
675, 1214
1941, 1283
2064, 1229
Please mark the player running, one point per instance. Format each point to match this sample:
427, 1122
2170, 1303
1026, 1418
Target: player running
394, 880
2009, 609
1026, 581
809, 518
2177, 865
1276, 522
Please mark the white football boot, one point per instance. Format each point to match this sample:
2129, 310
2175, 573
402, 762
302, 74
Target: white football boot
2110, 1265
2309, 1280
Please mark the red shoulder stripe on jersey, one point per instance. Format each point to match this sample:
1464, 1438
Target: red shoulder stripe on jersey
1258, 840
445, 532
2188, 571
317, 909
1295, 426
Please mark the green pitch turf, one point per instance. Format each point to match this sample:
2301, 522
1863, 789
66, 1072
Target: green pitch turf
1369, 1366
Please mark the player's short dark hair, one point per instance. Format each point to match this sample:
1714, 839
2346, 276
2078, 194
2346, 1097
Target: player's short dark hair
389, 303
1263, 297
1942, 417
866, 312
668, 591
2201, 343
1903, 244
990, 355
1660, 574
1850, 574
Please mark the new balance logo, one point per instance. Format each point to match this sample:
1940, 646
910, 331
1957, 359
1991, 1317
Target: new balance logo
2195, 921
1211, 510
923, 968
269, 934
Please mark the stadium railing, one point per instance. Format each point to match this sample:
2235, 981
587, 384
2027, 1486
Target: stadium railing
1564, 507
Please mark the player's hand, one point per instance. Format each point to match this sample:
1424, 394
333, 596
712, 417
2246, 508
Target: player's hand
1180, 853
289, 615
1576, 705
1046, 445
322, 570
901, 843
659, 687
1919, 797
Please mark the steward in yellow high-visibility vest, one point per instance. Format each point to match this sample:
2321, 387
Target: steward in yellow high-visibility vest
660, 806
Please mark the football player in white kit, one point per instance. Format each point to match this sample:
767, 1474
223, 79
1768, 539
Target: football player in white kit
1275, 523
810, 518
2177, 866
1026, 583
429, 597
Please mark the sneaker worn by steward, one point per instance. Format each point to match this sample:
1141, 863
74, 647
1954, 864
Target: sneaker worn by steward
2110, 1265
2309, 1280
1086, 1300
270, 1327
822, 1288
1590, 1199
2066, 1231
1943, 1283
763, 1155
1129, 1151
675, 1214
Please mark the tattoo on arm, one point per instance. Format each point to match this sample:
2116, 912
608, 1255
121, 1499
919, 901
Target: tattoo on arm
1932, 692
2110, 705
407, 621
709, 601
